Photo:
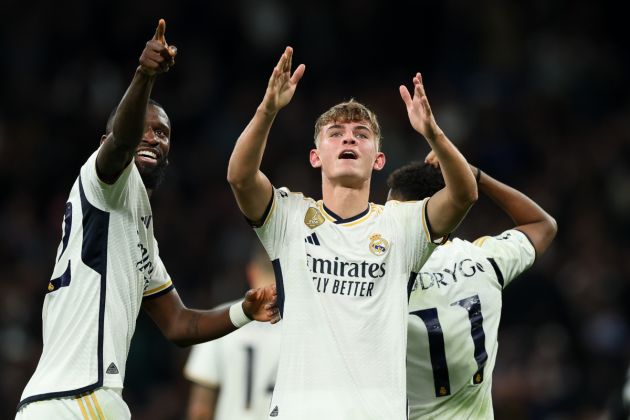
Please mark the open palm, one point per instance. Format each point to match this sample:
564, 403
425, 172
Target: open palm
282, 84
419, 110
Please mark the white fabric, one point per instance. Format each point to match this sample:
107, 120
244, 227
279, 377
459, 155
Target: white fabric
102, 404
88, 322
345, 308
242, 365
457, 277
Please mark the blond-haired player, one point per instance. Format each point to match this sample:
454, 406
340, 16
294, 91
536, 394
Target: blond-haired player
342, 264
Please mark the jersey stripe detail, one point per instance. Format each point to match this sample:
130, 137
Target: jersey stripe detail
94, 255
61, 281
531, 242
267, 213
497, 271
82, 408
425, 221
157, 289
410, 283
99, 411
341, 221
89, 407
277, 269
479, 241
160, 293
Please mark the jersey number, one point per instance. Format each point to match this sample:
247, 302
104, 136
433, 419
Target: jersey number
431, 321
250, 357
64, 279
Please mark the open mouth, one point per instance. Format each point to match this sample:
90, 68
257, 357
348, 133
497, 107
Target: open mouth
147, 154
348, 154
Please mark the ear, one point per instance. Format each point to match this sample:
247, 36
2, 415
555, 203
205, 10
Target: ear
314, 159
103, 138
379, 162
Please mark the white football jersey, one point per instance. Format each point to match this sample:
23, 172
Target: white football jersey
107, 261
242, 365
454, 313
342, 292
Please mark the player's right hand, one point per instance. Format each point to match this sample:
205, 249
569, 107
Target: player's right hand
282, 84
157, 57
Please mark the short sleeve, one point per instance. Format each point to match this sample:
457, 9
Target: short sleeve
510, 253
412, 230
158, 281
203, 364
283, 206
99, 193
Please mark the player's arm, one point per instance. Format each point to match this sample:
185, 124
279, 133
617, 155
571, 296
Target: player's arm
447, 207
202, 402
538, 225
185, 327
251, 187
129, 121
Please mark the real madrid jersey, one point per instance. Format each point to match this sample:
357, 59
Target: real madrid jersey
242, 365
106, 263
454, 313
342, 288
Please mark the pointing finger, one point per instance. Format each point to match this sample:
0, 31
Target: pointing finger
159, 32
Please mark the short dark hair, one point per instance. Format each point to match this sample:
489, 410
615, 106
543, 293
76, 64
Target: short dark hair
110, 120
415, 181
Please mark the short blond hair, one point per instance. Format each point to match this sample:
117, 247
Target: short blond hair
349, 111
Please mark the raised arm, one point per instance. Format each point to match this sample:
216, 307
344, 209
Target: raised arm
251, 187
539, 226
447, 207
129, 121
185, 327
528, 216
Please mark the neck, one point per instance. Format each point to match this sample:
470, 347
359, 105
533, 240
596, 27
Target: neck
346, 201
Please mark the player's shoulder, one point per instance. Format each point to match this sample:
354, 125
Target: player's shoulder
392, 204
454, 248
286, 193
510, 236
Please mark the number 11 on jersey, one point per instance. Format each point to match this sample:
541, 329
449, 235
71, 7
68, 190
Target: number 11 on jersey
437, 352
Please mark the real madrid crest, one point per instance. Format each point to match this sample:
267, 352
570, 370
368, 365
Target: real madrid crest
378, 245
313, 218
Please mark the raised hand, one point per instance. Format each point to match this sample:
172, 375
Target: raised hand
157, 57
432, 159
419, 110
282, 84
261, 304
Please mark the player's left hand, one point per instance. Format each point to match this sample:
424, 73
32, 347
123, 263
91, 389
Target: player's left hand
261, 304
419, 110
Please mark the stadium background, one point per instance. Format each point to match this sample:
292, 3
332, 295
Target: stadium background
534, 93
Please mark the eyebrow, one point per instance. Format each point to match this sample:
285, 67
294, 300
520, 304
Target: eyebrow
358, 127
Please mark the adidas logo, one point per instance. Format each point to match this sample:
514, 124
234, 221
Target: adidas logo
112, 369
312, 239
274, 413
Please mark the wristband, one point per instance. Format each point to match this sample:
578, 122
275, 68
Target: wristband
478, 175
237, 315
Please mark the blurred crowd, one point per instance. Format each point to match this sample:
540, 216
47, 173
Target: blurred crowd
535, 94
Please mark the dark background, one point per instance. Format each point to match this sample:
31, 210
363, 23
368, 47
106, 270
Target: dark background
535, 93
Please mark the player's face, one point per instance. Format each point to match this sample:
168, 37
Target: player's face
152, 153
347, 152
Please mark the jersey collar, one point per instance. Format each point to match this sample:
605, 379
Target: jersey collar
331, 216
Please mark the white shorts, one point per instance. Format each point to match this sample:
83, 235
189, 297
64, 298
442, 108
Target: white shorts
100, 404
